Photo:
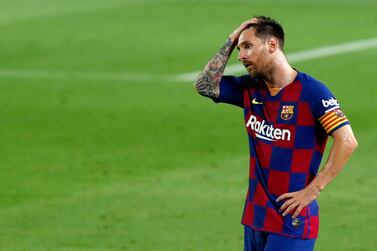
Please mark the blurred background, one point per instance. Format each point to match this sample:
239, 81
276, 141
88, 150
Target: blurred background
105, 145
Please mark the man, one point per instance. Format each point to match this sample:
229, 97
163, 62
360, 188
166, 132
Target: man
288, 117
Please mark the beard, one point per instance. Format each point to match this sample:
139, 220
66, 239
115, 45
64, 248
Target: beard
262, 70
257, 73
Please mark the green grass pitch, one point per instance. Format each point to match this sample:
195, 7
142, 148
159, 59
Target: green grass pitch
92, 161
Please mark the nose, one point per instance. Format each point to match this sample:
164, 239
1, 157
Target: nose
242, 55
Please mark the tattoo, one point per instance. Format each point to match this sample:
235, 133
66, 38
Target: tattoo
207, 83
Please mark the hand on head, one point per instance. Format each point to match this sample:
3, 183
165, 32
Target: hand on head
236, 33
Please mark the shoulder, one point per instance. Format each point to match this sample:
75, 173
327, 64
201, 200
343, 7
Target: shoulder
251, 82
243, 78
317, 95
310, 83
313, 88
239, 82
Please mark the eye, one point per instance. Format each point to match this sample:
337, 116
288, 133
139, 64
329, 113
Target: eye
248, 46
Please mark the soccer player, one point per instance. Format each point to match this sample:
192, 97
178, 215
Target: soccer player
288, 117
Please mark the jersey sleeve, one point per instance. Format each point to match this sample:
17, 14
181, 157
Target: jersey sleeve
231, 91
327, 110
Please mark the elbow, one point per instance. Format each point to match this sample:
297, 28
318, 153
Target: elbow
196, 87
354, 144
351, 144
206, 88
345, 140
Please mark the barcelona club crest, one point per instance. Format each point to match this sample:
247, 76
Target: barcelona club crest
287, 112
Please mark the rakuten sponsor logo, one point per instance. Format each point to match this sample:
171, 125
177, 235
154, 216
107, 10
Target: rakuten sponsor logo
330, 102
266, 131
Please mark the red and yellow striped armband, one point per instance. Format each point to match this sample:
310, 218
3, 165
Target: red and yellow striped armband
332, 120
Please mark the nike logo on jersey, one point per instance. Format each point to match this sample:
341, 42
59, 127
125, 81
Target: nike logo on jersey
255, 102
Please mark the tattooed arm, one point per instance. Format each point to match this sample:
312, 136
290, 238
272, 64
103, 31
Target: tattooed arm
207, 83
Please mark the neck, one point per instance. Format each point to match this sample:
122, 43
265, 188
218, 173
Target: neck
281, 74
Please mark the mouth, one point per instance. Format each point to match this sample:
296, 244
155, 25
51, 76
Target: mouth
247, 65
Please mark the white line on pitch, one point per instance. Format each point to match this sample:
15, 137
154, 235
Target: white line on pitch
301, 56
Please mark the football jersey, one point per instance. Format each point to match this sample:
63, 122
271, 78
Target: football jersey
287, 136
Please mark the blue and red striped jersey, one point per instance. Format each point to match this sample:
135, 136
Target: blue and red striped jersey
287, 136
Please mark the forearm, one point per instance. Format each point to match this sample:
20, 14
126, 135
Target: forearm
207, 83
344, 144
341, 150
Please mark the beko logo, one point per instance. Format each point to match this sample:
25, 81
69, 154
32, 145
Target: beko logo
330, 102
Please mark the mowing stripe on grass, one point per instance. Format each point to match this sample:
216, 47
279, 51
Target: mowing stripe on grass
294, 57
97, 76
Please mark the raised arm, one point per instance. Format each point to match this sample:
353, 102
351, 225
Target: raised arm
342, 148
207, 83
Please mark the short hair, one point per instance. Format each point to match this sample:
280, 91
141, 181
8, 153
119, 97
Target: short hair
266, 27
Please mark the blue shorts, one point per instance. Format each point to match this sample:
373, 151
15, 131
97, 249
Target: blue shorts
262, 241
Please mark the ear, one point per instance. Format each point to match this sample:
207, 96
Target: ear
273, 44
